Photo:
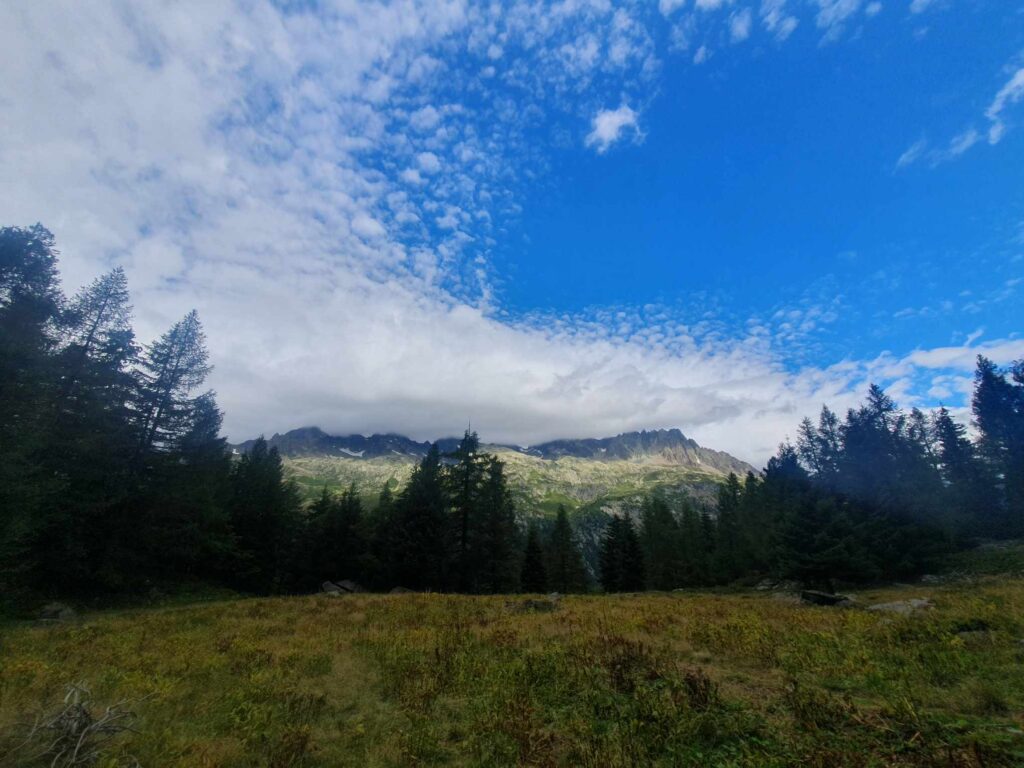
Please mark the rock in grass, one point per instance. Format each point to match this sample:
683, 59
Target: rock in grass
57, 612
401, 591
904, 607
344, 587
815, 597
532, 606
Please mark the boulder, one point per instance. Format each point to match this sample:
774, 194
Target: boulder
56, 612
343, 587
401, 591
815, 597
904, 607
532, 606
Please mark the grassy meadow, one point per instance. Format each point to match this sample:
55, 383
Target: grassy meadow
676, 679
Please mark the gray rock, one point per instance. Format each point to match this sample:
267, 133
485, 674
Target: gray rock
57, 612
401, 591
814, 597
343, 587
904, 607
532, 606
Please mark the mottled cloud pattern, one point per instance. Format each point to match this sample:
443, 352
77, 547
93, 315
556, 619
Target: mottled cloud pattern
327, 184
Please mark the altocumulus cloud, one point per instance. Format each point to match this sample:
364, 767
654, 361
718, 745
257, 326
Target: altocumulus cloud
314, 182
610, 125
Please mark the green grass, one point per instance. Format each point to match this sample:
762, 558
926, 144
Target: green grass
659, 679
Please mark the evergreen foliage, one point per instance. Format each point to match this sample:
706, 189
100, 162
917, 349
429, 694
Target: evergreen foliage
622, 559
565, 570
114, 479
533, 577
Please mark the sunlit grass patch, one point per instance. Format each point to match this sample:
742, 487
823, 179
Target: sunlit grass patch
630, 680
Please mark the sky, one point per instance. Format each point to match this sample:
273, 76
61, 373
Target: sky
549, 220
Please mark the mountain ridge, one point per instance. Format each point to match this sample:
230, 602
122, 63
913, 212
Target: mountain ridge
660, 446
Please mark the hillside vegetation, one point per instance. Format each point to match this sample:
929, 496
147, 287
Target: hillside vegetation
669, 679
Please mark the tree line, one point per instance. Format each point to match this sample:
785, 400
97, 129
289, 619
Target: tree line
878, 495
114, 478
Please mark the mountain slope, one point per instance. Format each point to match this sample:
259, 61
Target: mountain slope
603, 474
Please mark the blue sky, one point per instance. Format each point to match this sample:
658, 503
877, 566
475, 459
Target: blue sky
552, 219
769, 175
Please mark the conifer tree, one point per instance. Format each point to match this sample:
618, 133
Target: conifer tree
421, 528
465, 480
265, 514
693, 546
188, 530
533, 577
728, 552
565, 570
659, 535
622, 562
30, 302
498, 538
998, 408
171, 368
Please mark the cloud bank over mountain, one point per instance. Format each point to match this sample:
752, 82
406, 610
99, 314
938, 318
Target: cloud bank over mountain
327, 185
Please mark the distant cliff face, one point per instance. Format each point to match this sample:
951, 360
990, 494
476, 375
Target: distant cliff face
592, 478
659, 446
606, 475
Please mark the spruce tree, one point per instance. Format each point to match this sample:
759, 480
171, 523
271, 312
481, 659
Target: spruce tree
610, 556
998, 408
729, 554
621, 557
662, 545
565, 569
265, 513
498, 539
634, 576
533, 577
465, 480
30, 304
421, 528
171, 368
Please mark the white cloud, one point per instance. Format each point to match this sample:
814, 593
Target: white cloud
610, 125
425, 119
1010, 93
776, 20
267, 164
833, 16
701, 55
912, 153
962, 142
873, 9
428, 162
367, 227
920, 6
668, 7
412, 176
739, 25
